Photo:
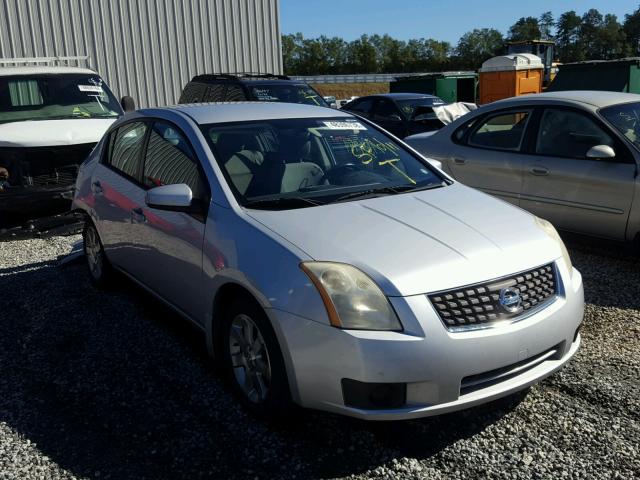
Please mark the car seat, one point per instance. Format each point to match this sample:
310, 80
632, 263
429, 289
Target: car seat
240, 162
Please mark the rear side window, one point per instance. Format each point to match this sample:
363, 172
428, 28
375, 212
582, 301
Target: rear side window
193, 93
169, 160
235, 93
127, 145
503, 131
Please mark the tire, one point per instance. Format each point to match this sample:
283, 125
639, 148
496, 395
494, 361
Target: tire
255, 369
98, 266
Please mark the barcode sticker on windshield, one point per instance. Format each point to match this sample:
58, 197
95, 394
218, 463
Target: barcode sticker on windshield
344, 126
90, 88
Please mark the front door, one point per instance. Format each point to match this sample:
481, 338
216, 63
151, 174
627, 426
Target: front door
171, 247
572, 191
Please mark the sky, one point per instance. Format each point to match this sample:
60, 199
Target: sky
444, 20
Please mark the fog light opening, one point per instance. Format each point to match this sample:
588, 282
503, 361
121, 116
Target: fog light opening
373, 396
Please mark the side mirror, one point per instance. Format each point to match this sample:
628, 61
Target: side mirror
128, 104
600, 152
176, 198
394, 117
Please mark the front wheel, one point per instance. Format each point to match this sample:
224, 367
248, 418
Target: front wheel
253, 360
100, 271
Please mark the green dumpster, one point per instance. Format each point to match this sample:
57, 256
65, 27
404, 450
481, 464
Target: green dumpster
449, 86
621, 75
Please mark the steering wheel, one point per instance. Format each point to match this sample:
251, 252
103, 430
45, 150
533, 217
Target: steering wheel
334, 174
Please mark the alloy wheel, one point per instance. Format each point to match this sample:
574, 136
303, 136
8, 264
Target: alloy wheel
93, 252
249, 358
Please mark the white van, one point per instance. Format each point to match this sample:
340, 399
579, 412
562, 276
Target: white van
50, 119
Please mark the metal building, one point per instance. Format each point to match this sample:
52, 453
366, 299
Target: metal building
148, 49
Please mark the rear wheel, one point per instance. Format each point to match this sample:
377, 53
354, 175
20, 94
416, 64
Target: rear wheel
253, 360
100, 271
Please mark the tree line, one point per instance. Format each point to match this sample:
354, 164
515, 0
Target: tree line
591, 36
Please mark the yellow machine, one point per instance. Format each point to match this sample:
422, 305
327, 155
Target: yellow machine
545, 49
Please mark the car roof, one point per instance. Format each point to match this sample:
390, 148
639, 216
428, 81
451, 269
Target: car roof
595, 98
223, 112
262, 79
43, 70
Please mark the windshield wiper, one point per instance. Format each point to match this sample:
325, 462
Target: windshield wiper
385, 191
283, 202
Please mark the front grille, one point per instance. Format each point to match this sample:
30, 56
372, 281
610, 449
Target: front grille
59, 176
43, 166
479, 305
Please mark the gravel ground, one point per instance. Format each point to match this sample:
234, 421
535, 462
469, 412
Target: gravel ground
113, 385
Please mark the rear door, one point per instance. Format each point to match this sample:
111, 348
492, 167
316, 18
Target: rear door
170, 244
489, 154
572, 191
118, 192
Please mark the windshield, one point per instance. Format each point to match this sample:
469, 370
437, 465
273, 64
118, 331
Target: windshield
288, 93
55, 96
309, 161
626, 119
419, 107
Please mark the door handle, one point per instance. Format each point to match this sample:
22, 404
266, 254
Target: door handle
459, 161
96, 188
539, 170
137, 216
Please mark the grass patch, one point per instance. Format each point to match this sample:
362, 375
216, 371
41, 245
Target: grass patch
347, 90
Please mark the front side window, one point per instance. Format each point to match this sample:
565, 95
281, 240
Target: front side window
126, 146
569, 134
362, 106
504, 131
626, 119
54, 97
313, 160
386, 111
169, 160
288, 93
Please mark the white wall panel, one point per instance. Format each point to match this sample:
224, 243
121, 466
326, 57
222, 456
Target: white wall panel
148, 49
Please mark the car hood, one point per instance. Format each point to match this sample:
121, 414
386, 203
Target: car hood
45, 133
415, 243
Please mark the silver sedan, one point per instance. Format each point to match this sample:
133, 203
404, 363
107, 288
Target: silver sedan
569, 157
327, 262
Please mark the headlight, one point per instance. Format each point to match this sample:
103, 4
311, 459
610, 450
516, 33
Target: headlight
553, 233
351, 298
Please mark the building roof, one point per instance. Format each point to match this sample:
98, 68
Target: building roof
42, 70
204, 113
596, 98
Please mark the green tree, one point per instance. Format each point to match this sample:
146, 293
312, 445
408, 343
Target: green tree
477, 46
291, 50
362, 55
546, 24
611, 40
568, 39
526, 28
592, 22
632, 31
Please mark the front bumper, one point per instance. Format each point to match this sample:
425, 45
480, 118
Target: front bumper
443, 371
20, 200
